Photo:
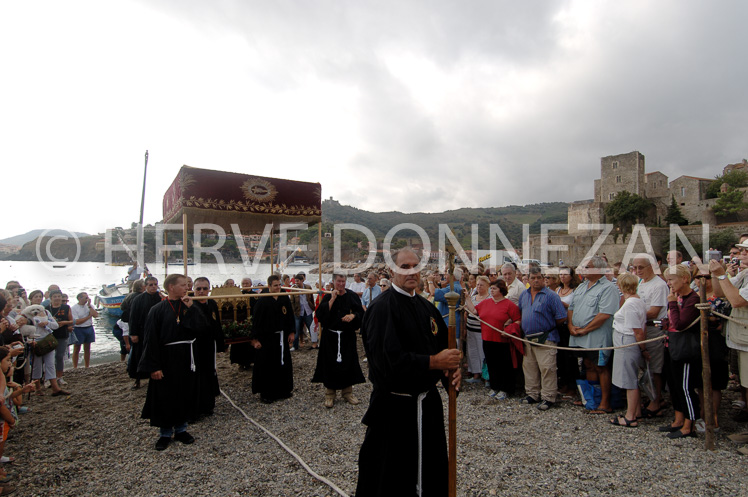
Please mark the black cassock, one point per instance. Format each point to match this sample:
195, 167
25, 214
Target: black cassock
243, 354
139, 309
400, 333
169, 347
206, 347
272, 322
337, 359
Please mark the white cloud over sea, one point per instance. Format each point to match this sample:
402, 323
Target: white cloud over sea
390, 105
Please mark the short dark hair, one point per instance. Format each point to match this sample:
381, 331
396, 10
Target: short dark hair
501, 285
337, 275
151, 278
202, 278
53, 293
272, 278
172, 280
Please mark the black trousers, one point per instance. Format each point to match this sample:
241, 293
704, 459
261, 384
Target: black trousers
501, 375
683, 379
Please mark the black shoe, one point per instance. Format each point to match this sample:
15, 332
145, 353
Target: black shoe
162, 443
184, 437
528, 400
741, 416
669, 428
679, 434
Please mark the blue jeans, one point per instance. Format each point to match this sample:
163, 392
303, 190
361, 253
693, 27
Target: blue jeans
167, 432
307, 320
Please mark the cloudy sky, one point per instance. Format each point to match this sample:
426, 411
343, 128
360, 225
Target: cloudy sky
390, 105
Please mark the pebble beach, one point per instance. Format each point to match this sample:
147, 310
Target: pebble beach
94, 443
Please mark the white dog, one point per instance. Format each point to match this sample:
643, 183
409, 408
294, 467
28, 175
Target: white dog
35, 314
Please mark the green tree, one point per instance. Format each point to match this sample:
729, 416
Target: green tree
736, 178
626, 209
730, 203
674, 215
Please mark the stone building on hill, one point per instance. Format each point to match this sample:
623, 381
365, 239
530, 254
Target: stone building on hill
627, 172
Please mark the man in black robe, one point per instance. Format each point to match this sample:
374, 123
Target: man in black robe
207, 346
273, 327
141, 306
339, 315
169, 359
243, 354
405, 448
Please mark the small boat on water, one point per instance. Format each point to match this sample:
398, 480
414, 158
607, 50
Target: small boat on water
299, 261
110, 297
180, 262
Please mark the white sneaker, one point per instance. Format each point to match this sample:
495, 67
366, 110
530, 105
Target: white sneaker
366, 359
501, 396
291, 349
47, 384
739, 404
60, 381
700, 426
492, 393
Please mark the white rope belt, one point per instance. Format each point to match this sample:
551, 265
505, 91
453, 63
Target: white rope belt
192, 352
282, 345
419, 414
340, 357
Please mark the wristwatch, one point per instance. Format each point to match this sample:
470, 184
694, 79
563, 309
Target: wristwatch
723, 277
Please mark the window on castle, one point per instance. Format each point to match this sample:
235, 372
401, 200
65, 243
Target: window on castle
611, 196
618, 179
682, 191
615, 164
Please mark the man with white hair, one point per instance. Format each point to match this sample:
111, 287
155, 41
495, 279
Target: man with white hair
513, 284
591, 324
653, 291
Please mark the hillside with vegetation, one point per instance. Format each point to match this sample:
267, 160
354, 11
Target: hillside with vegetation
510, 219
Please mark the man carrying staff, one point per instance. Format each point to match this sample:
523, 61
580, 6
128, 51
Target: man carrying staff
206, 347
338, 368
169, 358
141, 306
273, 327
406, 342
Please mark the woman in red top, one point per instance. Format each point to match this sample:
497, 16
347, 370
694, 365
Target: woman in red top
498, 311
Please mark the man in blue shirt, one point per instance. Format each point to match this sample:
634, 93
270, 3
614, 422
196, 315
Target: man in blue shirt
542, 311
591, 324
372, 289
441, 300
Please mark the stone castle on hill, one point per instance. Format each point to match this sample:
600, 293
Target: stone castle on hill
627, 172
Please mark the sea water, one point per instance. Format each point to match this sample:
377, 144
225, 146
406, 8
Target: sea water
89, 277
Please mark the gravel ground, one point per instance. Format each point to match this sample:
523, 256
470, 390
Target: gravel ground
94, 443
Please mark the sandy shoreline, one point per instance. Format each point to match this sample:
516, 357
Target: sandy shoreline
94, 443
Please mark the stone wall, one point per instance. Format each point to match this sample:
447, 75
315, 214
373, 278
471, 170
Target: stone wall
584, 212
690, 195
656, 185
578, 245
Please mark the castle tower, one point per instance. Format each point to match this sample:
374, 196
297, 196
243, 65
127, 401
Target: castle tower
619, 173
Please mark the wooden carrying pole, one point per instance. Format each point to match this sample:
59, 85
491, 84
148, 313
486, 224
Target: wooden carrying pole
452, 299
706, 370
184, 242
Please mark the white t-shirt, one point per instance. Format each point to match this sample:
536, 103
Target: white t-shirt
632, 314
357, 287
79, 312
654, 293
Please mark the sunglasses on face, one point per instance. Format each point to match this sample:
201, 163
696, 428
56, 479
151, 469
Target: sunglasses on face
201, 288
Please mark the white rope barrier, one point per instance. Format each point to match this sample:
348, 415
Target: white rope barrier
287, 449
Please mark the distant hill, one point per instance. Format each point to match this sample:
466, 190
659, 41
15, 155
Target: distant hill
34, 234
510, 219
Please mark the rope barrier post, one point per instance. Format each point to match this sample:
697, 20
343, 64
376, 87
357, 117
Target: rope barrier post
706, 369
452, 299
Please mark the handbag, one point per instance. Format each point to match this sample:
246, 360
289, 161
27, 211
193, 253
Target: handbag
45, 345
73, 338
684, 345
